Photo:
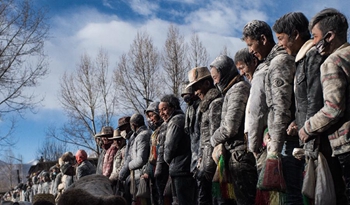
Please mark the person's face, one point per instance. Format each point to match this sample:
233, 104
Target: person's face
259, 48
133, 127
321, 40
245, 70
165, 111
105, 140
153, 117
317, 34
125, 127
201, 88
98, 141
255, 47
120, 142
287, 43
215, 74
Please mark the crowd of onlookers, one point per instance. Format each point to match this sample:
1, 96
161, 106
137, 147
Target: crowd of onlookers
269, 126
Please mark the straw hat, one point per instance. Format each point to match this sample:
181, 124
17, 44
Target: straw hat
106, 131
123, 121
116, 135
197, 74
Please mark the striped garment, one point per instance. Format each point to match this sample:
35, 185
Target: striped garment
334, 117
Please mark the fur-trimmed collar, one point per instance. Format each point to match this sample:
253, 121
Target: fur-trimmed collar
303, 50
211, 95
235, 80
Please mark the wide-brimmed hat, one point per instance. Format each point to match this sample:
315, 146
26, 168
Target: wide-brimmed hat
186, 90
44, 197
197, 74
116, 135
123, 121
106, 131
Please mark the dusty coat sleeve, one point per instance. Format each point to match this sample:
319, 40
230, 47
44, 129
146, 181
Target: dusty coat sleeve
142, 150
118, 163
214, 116
124, 171
256, 111
57, 181
233, 112
82, 170
334, 91
279, 83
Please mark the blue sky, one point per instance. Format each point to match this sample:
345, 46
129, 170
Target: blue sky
79, 26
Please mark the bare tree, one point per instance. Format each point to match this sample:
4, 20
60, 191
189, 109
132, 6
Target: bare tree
8, 168
225, 51
51, 149
22, 60
137, 74
174, 61
198, 55
88, 100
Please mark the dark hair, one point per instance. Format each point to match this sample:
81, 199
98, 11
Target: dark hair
42, 202
137, 119
255, 29
172, 101
331, 19
293, 21
245, 56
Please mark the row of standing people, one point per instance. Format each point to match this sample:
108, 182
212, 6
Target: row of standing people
58, 178
272, 99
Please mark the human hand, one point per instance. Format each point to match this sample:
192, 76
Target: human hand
199, 162
303, 136
266, 139
292, 129
256, 154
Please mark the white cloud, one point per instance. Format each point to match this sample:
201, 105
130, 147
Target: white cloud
310, 8
107, 3
218, 23
144, 7
223, 17
86, 31
75, 35
186, 1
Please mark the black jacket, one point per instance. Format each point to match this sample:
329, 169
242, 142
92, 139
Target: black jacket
307, 86
192, 123
210, 108
177, 146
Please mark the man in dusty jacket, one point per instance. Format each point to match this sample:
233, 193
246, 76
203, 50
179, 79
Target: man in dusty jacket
177, 149
278, 69
329, 28
210, 111
139, 148
230, 132
293, 34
